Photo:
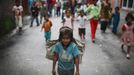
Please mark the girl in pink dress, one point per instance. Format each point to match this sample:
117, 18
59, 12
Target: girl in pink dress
128, 34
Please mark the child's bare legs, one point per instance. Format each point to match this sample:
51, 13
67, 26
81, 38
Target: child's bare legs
80, 36
83, 36
80, 33
122, 47
128, 52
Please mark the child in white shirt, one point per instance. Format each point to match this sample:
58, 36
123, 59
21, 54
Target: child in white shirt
82, 22
18, 9
68, 19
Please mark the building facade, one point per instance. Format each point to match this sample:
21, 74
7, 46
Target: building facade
123, 4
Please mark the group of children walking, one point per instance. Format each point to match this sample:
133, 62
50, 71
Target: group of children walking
93, 10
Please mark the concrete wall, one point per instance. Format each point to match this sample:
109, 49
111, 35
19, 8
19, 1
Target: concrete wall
6, 17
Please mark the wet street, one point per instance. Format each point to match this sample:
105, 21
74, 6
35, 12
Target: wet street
25, 54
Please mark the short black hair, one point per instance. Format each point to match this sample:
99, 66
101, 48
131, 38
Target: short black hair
66, 31
117, 8
129, 17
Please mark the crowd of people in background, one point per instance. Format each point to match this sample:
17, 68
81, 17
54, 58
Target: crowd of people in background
69, 10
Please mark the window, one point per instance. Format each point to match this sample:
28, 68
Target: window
129, 4
124, 3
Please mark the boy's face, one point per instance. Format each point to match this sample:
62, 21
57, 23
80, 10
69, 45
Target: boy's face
66, 40
68, 13
81, 14
46, 18
95, 1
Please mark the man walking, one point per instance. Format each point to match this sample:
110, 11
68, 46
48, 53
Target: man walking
35, 12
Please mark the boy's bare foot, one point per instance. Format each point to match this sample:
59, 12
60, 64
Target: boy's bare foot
128, 56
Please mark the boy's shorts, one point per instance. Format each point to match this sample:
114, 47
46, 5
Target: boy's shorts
65, 72
82, 31
47, 35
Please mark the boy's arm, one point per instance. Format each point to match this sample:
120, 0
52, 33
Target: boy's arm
63, 21
51, 23
87, 10
76, 59
72, 20
123, 28
77, 65
112, 15
55, 58
77, 19
42, 27
21, 9
13, 9
133, 29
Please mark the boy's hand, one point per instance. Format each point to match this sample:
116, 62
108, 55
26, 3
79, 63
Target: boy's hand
41, 29
53, 72
77, 73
